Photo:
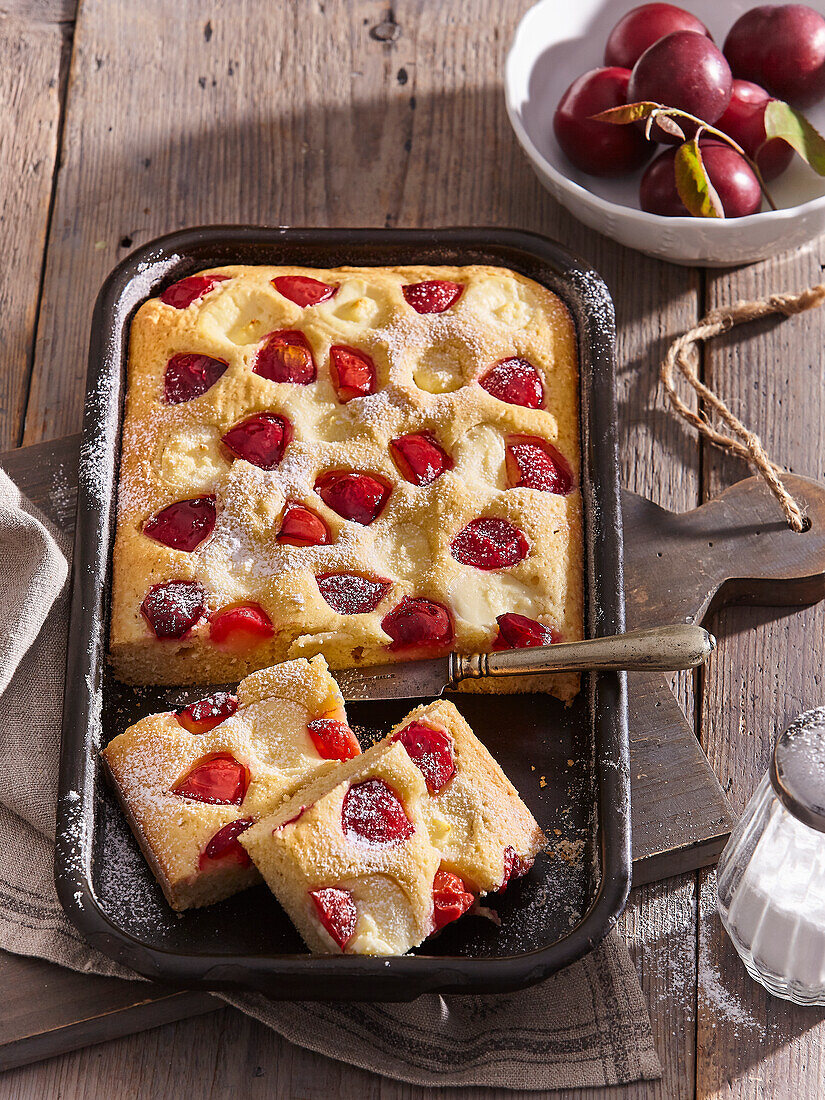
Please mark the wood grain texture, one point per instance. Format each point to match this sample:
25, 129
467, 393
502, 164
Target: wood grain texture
736, 548
47, 1009
40, 11
29, 109
769, 668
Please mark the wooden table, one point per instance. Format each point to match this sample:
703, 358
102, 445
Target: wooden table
122, 121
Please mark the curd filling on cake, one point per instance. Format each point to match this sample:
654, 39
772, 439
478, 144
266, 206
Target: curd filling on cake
476, 812
296, 438
350, 856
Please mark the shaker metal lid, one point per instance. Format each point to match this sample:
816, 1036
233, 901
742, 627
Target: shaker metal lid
798, 768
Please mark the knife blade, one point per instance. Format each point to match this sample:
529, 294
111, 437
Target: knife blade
411, 680
657, 649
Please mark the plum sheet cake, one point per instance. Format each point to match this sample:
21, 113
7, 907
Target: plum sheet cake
370, 463
190, 782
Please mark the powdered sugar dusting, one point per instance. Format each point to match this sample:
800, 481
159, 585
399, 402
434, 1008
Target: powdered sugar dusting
253, 552
373, 814
63, 496
129, 892
97, 449
75, 838
350, 594
175, 451
712, 990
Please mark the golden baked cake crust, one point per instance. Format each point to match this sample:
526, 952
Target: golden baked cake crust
267, 751
433, 377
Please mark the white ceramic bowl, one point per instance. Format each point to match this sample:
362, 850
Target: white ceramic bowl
555, 42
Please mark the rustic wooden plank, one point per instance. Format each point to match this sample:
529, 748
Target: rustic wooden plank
402, 123
30, 110
40, 11
681, 818
47, 474
48, 1010
734, 548
769, 668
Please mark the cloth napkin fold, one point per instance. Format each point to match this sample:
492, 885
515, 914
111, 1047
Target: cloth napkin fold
586, 1026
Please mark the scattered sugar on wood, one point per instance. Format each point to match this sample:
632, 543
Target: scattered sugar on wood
721, 1001
62, 496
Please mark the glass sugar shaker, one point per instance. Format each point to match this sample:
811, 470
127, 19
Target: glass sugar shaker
771, 875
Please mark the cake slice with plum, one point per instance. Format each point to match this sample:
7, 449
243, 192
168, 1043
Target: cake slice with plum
390, 847
491, 836
192, 781
351, 856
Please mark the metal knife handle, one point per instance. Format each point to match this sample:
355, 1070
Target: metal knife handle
659, 649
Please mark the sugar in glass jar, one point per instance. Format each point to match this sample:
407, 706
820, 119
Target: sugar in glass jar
771, 875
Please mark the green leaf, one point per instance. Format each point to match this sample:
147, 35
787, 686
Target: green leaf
782, 121
627, 112
693, 184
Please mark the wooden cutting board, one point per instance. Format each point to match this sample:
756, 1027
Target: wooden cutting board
677, 568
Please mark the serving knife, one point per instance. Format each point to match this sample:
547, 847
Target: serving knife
657, 649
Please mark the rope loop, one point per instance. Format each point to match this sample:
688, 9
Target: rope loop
683, 358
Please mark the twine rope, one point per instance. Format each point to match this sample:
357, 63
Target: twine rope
683, 358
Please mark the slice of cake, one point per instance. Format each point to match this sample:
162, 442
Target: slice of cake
351, 856
492, 836
386, 850
376, 464
191, 782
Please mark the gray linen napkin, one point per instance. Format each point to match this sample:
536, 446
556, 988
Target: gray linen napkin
587, 1026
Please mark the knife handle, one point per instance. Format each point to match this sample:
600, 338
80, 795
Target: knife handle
658, 649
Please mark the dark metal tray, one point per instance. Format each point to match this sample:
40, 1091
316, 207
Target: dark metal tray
572, 896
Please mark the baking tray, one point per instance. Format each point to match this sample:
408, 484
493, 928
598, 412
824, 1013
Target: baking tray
569, 764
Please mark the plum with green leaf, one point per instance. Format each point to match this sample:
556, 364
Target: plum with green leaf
683, 70
731, 135
717, 183
744, 121
785, 122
